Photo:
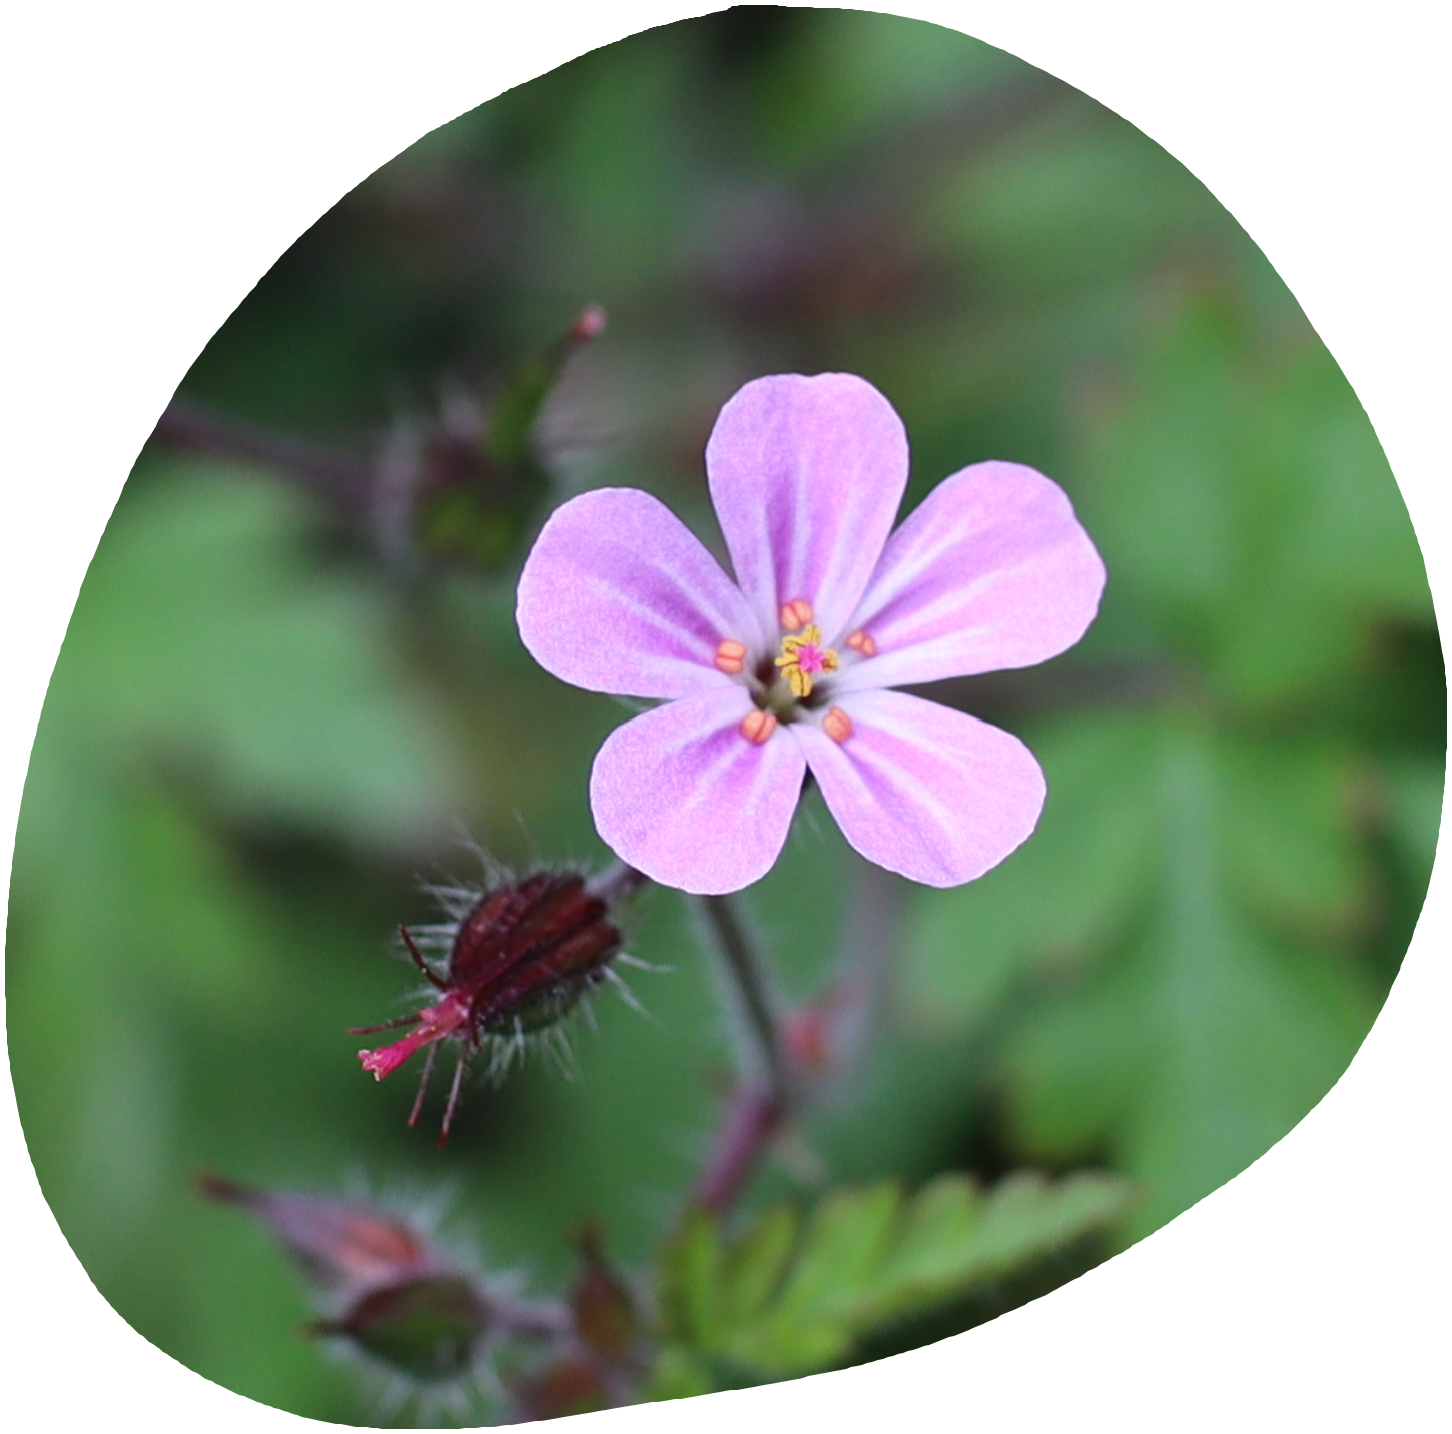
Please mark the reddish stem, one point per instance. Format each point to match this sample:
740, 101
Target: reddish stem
752, 1121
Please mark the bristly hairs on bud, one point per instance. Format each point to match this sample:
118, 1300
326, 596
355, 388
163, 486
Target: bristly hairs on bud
509, 962
417, 1318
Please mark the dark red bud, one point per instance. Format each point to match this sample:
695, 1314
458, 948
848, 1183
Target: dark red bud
522, 956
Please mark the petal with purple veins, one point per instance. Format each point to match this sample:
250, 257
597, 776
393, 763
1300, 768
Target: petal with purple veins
618, 595
806, 475
992, 570
924, 790
680, 794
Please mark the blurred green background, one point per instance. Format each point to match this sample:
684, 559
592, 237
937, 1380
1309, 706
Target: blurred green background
280, 703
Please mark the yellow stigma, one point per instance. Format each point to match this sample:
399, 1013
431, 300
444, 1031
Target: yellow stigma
802, 657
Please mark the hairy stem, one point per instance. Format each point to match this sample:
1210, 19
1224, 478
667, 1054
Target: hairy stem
617, 882
336, 476
751, 988
752, 1120
763, 1094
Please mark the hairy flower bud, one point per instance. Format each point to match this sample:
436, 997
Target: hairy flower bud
520, 955
339, 1244
429, 1329
385, 1288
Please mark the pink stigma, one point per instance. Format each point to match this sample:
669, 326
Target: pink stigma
434, 1024
811, 658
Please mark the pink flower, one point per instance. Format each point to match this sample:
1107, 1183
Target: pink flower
791, 666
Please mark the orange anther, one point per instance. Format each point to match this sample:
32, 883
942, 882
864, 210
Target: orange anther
837, 724
731, 655
757, 726
796, 613
863, 643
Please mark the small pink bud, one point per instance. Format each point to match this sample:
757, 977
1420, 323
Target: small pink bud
814, 1034
337, 1242
589, 323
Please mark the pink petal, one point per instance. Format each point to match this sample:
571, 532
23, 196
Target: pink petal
681, 795
924, 790
806, 475
992, 570
618, 595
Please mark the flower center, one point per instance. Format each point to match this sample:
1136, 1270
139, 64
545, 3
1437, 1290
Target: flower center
803, 657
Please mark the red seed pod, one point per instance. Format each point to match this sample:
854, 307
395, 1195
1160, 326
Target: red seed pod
520, 957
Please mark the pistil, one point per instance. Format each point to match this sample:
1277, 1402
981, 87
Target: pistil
803, 657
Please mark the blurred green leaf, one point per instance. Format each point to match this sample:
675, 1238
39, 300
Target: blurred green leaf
209, 660
1242, 503
792, 1295
208, 643
1210, 1035
1058, 900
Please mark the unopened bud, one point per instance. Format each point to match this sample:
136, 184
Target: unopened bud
430, 1329
385, 1288
589, 324
606, 1318
817, 1034
336, 1242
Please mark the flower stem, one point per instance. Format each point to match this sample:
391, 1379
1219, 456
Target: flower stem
751, 988
752, 1120
617, 881
763, 1094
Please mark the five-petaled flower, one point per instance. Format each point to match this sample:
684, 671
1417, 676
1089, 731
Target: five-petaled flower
791, 666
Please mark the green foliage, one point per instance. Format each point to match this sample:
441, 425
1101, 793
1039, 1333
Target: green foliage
795, 1292
1258, 450
1169, 969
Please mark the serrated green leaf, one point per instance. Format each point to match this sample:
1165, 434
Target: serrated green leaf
691, 1266
844, 1241
941, 1222
953, 1237
677, 1374
758, 1263
862, 1257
